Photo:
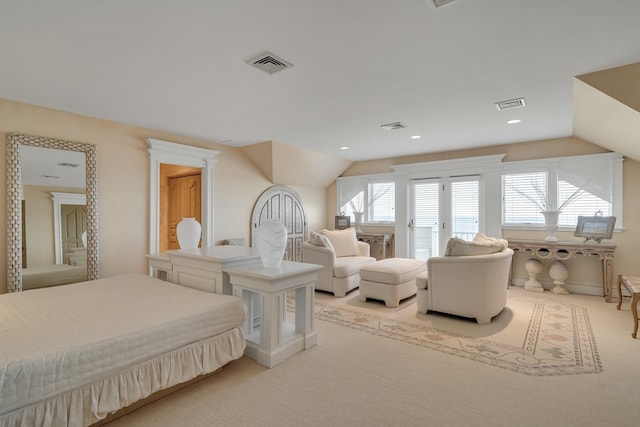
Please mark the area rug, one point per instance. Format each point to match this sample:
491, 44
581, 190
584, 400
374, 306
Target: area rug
534, 335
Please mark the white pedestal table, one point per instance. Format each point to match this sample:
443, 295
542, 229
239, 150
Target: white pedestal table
275, 339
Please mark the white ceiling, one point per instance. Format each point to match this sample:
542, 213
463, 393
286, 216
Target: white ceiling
179, 66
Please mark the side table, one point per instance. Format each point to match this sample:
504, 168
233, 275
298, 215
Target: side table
275, 339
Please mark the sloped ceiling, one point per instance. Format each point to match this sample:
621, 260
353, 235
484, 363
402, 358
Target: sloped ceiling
607, 109
291, 165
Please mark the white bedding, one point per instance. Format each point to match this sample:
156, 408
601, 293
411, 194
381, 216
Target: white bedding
52, 275
83, 344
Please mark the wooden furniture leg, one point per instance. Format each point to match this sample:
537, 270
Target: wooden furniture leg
631, 284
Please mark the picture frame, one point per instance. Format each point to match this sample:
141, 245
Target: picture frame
595, 227
342, 222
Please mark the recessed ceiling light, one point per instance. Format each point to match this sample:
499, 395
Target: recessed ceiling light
514, 121
344, 148
415, 137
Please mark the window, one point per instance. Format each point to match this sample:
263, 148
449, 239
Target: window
524, 197
465, 208
382, 202
581, 185
375, 198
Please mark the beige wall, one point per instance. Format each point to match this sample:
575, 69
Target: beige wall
123, 183
123, 169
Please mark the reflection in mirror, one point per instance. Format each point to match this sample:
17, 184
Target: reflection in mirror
51, 207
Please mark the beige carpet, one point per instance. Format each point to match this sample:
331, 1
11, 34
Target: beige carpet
535, 334
355, 377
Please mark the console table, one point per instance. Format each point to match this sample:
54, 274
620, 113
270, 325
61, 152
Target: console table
562, 251
202, 268
379, 244
271, 338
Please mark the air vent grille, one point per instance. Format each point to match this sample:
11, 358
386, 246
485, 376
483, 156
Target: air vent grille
394, 126
512, 103
269, 63
439, 3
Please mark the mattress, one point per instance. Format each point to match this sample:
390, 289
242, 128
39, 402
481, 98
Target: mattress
107, 343
52, 275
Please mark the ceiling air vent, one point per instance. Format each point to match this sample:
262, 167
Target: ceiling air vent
269, 63
512, 103
393, 126
439, 3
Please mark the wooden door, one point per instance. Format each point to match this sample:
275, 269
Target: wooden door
282, 203
73, 224
184, 198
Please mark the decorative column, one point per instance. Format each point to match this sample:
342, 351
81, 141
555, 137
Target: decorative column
558, 272
533, 267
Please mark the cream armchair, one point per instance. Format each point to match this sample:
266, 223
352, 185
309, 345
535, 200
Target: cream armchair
341, 255
472, 286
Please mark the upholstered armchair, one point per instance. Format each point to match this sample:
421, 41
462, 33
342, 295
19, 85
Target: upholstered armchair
471, 280
341, 255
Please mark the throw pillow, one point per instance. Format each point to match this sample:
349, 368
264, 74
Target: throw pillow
320, 240
316, 239
483, 238
459, 247
344, 242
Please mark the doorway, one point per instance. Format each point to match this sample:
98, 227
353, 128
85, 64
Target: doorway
180, 197
442, 208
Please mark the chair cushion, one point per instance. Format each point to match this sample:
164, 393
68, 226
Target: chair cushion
393, 271
350, 265
344, 242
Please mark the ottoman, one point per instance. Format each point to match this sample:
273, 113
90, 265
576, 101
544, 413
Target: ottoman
390, 280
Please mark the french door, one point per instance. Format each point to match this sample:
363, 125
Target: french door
442, 208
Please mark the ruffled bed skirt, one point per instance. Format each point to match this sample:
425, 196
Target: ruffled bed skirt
93, 402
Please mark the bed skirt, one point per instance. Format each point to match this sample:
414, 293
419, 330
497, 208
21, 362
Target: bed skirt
92, 403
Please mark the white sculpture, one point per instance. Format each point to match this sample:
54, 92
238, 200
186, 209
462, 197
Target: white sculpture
533, 267
271, 242
558, 272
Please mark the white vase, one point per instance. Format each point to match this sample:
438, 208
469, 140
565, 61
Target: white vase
271, 240
551, 225
357, 217
188, 232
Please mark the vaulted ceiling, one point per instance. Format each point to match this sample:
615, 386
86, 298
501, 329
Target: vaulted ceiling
181, 67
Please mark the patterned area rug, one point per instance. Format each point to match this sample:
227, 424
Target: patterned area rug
557, 340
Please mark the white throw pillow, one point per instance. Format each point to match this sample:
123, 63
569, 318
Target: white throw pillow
459, 247
483, 238
320, 240
344, 242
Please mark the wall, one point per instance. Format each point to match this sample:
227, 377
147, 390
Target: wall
581, 270
123, 183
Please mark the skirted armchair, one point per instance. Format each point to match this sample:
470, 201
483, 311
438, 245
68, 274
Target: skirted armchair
471, 280
341, 255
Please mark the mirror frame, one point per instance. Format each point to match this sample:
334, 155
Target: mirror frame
14, 203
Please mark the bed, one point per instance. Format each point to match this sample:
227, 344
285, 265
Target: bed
72, 355
52, 275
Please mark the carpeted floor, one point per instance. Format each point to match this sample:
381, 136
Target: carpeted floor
535, 335
375, 366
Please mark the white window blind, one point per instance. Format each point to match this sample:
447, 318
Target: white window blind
524, 197
581, 185
376, 199
382, 202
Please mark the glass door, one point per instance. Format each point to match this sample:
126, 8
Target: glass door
424, 225
442, 208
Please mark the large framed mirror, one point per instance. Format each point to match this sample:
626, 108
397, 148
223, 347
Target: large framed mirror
15, 226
